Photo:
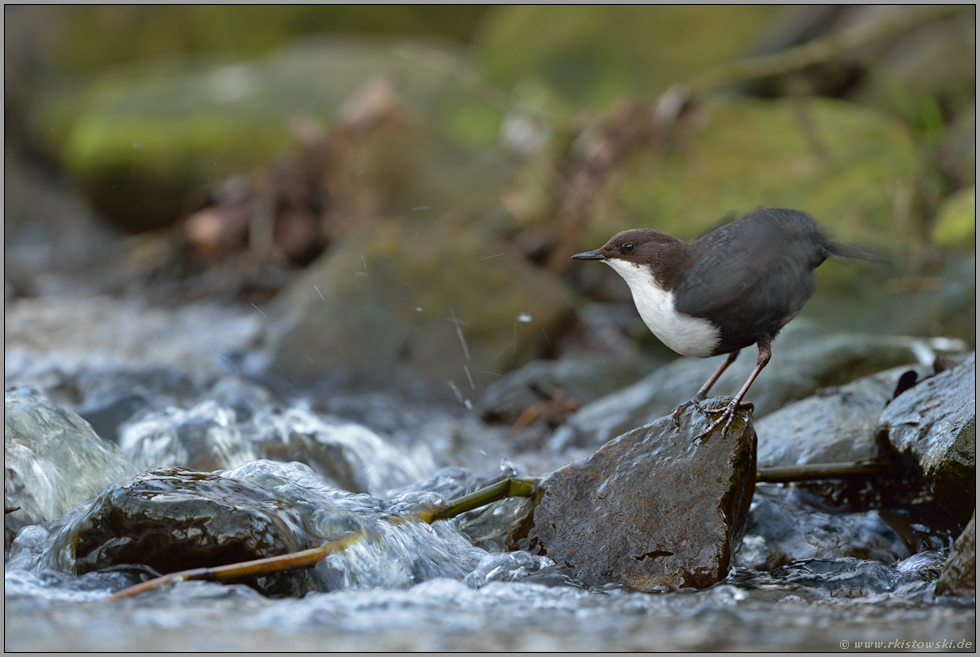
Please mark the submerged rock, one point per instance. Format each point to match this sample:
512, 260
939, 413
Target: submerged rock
211, 436
347, 454
805, 358
849, 577
959, 576
206, 437
782, 528
650, 510
174, 519
53, 460
933, 426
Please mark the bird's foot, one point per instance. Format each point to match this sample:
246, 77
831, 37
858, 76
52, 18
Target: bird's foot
727, 417
695, 401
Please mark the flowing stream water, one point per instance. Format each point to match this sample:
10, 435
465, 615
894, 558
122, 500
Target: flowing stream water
408, 585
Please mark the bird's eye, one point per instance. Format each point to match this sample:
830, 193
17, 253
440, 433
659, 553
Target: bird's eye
627, 247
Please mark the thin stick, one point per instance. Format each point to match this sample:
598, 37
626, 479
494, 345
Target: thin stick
309, 558
256, 568
817, 471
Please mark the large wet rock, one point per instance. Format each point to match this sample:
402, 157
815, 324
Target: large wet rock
833, 426
574, 378
784, 526
174, 519
650, 510
933, 426
53, 460
959, 575
804, 359
450, 303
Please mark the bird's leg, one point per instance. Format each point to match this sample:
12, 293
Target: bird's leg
728, 413
702, 394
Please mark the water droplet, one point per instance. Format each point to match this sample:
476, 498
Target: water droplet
524, 318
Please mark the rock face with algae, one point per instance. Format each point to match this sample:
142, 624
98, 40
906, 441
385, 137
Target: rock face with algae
651, 509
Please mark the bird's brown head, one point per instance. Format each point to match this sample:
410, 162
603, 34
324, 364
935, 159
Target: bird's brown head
664, 254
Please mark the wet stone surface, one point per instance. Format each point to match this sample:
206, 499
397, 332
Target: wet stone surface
786, 524
174, 519
650, 510
835, 425
933, 426
959, 576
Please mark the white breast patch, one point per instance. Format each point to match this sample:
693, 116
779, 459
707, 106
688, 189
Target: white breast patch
689, 336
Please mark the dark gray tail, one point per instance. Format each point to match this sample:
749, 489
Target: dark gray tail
855, 252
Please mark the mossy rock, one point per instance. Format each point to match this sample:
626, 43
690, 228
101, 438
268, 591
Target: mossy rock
956, 225
141, 138
590, 55
448, 302
840, 163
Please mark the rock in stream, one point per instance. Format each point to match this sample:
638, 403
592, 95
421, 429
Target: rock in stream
650, 510
933, 426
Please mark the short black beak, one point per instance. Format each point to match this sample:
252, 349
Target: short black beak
589, 255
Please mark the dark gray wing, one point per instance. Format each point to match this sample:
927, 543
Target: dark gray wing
753, 274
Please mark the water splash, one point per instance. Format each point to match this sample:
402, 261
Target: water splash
53, 460
206, 437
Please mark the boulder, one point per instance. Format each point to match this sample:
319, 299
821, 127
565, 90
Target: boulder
206, 437
446, 301
933, 426
52, 459
579, 379
174, 519
833, 426
650, 510
959, 574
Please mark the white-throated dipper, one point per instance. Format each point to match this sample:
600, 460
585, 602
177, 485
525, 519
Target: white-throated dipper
735, 286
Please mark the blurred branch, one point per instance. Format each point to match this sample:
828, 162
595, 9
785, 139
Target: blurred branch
820, 50
510, 487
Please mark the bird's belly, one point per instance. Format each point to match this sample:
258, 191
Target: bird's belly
688, 336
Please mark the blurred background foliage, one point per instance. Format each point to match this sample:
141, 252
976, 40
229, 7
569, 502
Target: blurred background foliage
215, 151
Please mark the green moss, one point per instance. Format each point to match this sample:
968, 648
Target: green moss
592, 55
956, 225
840, 163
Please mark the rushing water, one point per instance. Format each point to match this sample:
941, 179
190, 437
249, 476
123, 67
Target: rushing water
409, 585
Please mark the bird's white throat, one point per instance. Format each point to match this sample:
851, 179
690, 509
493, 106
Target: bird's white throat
689, 336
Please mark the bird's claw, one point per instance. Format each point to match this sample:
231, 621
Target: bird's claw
727, 417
